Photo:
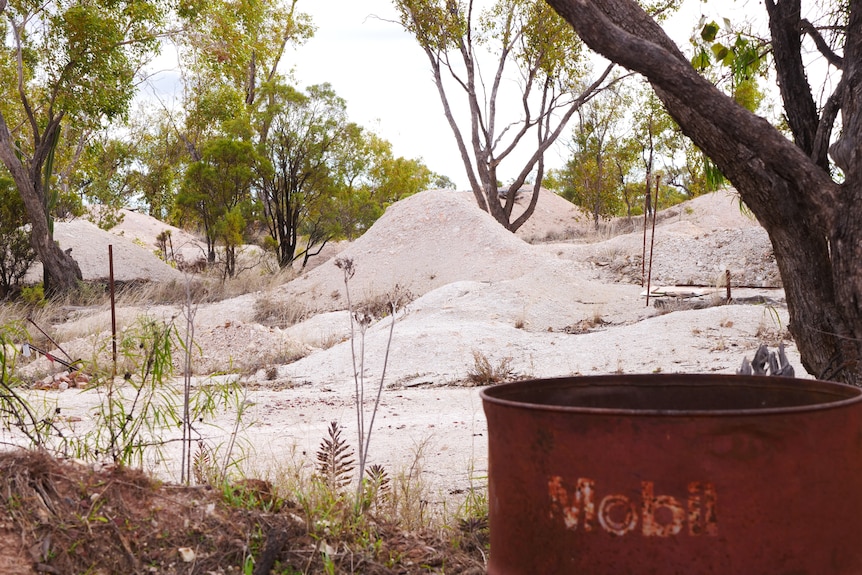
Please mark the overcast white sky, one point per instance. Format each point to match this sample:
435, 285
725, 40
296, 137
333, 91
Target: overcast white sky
383, 75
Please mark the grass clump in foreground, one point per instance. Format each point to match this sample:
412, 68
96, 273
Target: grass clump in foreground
65, 517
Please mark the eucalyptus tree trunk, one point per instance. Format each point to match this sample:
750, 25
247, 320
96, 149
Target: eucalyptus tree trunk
62, 272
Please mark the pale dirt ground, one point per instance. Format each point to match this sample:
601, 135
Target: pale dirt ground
572, 306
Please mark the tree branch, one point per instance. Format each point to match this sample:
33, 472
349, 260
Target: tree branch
821, 44
28, 110
799, 106
828, 116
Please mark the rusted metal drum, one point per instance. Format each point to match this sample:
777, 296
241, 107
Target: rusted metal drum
675, 474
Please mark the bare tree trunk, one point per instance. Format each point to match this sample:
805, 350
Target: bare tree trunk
814, 223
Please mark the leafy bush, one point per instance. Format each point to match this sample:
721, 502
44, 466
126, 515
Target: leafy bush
16, 254
34, 295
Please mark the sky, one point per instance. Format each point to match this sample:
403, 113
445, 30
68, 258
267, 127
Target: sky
385, 77
383, 74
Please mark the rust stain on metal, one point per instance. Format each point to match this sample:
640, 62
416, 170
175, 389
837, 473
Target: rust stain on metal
619, 514
702, 519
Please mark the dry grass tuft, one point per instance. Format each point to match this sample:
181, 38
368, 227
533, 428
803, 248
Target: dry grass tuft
379, 305
202, 289
274, 312
288, 352
770, 330
329, 339
486, 373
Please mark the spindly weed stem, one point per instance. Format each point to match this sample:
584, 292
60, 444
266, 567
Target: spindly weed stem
363, 319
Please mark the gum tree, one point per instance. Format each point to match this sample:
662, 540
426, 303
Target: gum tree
303, 132
545, 56
805, 188
217, 193
229, 52
240, 45
369, 178
593, 177
65, 62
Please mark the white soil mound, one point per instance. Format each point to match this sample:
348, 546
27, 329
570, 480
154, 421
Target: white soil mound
554, 217
89, 245
695, 243
529, 311
144, 230
421, 243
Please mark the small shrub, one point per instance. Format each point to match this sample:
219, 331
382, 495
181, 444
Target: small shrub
34, 295
166, 246
16, 257
329, 339
16, 253
87, 293
287, 352
379, 305
250, 494
521, 320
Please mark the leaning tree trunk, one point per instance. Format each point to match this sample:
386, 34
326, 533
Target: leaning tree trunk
62, 272
814, 223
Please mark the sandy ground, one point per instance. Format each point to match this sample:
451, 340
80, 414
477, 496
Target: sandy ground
571, 306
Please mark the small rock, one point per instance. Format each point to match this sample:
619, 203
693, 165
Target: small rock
187, 554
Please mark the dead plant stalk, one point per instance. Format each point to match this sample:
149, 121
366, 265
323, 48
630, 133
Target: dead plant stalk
363, 320
189, 310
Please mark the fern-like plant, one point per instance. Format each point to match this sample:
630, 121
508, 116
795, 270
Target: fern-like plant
204, 467
377, 487
335, 460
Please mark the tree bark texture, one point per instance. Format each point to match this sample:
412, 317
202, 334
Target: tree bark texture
814, 222
61, 270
